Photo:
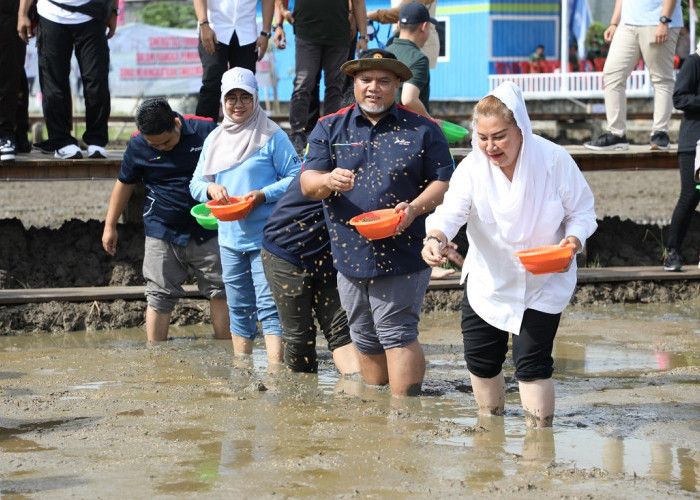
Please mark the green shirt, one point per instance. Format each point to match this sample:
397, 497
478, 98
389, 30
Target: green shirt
323, 22
408, 53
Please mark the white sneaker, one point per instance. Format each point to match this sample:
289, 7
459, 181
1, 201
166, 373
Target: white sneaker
96, 152
70, 152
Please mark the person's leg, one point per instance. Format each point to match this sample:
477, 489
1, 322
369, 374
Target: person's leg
532, 357
204, 262
537, 398
331, 316
55, 48
213, 67
687, 202
334, 79
164, 273
266, 310
308, 65
242, 56
22, 114
485, 349
406, 367
659, 60
92, 53
218, 310
157, 325
11, 63
291, 290
347, 359
395, 302
240, 297
354, 298
623, 56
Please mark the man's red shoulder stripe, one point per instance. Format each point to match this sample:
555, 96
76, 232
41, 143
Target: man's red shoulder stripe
410, 110
339, 112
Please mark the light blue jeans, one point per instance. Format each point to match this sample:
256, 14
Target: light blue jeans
248, 294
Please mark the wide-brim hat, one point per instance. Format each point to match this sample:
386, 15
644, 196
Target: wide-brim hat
378, 59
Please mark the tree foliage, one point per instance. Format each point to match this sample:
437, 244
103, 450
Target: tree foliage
595, 33
169, 15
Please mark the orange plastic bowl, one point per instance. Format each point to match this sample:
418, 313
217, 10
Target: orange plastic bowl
237, 209
377, 224
544, 260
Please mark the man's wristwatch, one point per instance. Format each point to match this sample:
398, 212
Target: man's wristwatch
362, 37
275, 26
664, 19
116, 11
202, 23
431, 237
266, 33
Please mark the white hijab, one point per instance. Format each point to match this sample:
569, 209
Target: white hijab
514, 206
232, 143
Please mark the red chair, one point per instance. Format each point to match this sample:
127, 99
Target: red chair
599, 63
514, 68
585, 65
525, 67
502, 68
552, 66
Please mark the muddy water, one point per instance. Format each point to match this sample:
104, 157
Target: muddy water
98, 414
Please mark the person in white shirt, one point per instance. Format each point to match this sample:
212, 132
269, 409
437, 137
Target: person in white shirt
515, 191
639, 29
228, 38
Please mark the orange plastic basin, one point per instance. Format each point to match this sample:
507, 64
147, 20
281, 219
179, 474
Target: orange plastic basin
238, 208
377, 224
544, 260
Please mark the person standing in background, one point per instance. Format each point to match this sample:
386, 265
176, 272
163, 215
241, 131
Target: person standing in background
63, 29
414, 22
391, 16
686, 97
228, 37
321, 30
646, 29
14, 90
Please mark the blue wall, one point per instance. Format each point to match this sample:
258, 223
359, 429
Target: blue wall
478, 33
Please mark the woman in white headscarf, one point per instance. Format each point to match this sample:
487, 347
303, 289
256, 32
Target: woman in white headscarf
515, 190
247, 155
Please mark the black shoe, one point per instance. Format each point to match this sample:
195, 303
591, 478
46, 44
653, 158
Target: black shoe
299, 143
672, 261
608, 142
7, 149
659, 140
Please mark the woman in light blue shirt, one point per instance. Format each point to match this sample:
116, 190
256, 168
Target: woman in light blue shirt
247, 155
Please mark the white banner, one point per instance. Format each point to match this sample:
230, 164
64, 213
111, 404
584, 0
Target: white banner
152, 61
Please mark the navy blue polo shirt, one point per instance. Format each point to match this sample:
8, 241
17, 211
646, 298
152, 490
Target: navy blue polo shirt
296, 231
393, 161
166, 176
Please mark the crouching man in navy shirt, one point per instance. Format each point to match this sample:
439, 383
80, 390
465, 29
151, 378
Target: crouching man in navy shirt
163, 155
369, 156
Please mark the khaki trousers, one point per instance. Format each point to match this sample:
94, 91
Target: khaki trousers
629, 44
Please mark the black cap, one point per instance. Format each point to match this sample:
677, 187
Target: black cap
415, 13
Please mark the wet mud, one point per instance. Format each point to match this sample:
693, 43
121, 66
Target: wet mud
86, 414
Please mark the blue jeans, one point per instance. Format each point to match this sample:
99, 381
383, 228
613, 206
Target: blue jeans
248, 294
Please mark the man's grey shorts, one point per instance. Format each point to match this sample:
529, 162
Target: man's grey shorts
383, 312
166, 266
